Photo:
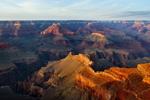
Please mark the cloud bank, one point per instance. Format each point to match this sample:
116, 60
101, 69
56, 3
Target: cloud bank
75, 9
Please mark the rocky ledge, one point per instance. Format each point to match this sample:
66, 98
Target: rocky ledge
73, 78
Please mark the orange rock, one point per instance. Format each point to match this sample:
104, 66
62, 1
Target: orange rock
146, 79
145, 95
144, 69
73, 76
126, 95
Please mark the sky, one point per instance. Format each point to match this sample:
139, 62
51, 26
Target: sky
74, 9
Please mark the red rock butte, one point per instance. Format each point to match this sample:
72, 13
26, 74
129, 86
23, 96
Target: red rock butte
57, 30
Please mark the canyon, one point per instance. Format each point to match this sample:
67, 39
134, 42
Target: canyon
74, 60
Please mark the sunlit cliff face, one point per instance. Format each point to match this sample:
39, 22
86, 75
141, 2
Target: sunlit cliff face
17, 26
53, 29
72, 78
57, 30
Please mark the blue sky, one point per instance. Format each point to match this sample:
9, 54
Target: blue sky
75, 9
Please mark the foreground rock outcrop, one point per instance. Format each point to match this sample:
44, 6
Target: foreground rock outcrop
73, 78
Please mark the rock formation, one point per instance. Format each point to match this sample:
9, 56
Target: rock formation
72, 78
56, 29
17, 26
99, 39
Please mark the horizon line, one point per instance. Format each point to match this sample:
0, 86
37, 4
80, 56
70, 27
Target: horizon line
74, 19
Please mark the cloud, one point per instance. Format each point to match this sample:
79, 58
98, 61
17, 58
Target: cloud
8, 3
134, 14
73, 9
138, 13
